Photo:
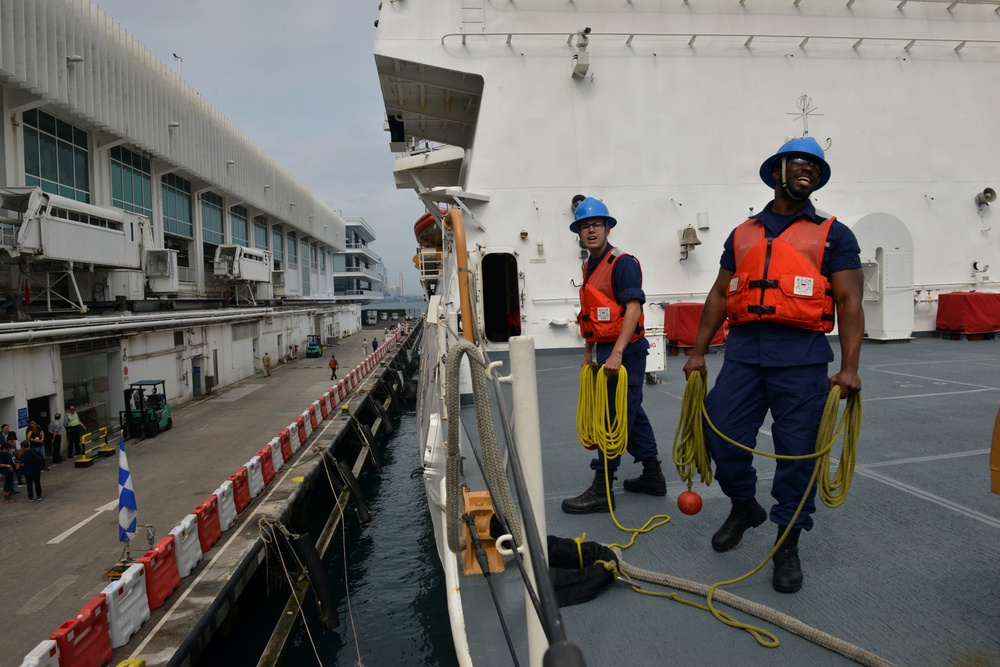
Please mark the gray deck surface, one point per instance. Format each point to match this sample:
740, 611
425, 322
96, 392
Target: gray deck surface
907, 568
212, 437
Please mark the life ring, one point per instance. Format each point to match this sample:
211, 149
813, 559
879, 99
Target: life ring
427, 231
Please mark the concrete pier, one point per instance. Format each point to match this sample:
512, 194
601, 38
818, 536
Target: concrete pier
57, 551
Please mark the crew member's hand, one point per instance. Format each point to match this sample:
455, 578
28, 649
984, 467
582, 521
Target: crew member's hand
848, 381
613, 363
696, 362
588, 358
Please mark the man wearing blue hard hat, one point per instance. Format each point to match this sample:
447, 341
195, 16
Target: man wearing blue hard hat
611, 323
785, 273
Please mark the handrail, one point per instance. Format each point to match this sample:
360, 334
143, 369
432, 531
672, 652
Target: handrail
453, 221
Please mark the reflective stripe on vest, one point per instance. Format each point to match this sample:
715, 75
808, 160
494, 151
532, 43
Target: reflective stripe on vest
780, 280
601, 317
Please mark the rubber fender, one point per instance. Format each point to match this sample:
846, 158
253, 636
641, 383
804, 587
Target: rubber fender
306, 551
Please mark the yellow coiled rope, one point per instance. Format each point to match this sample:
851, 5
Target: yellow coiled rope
597, 430
690, 454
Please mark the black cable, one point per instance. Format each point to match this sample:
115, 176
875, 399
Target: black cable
484, 565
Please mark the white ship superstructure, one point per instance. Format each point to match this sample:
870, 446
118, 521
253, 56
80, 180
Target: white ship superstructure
665, 110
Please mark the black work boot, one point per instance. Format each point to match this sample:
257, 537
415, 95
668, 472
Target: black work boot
787, 568
593, 500
651, 480
745, 514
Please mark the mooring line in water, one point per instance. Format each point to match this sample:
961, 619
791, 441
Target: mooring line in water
265, 529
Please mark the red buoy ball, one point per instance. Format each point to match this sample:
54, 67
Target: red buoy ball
689, 502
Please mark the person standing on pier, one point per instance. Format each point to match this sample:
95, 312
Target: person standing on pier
784, 272
364, 346
55, 437
333, 366
611, 323
74, 429
266, 362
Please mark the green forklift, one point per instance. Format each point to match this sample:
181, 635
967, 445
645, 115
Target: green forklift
147, 411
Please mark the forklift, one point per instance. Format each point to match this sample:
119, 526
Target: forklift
147, 411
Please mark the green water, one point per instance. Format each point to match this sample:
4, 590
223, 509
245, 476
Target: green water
396, 613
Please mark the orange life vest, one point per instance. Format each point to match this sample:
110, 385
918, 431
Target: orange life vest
601, 317
779, 279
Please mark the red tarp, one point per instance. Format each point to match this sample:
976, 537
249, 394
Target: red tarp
680, 324
968, 312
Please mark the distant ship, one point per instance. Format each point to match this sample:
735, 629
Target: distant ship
502, 112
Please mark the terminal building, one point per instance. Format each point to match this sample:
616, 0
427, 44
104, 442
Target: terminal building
143, 236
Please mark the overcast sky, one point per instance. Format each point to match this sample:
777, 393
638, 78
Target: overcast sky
298, 76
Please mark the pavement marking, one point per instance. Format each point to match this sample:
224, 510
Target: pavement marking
927, 495
930, 395
44, 597
66, 533
923, 459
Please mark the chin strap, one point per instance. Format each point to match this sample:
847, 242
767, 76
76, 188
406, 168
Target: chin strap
784, 181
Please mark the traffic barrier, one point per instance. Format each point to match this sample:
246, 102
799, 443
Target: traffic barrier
255, 478
85, 641
207, 515
162, 577
307, 423
46, 654
241, 489
227, 506
266, 466
293, 430
300, 429
313, 422
285, 438
128, 607
277, 456
186, 544
324, 407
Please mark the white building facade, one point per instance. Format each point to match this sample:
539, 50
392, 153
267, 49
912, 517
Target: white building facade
142, 234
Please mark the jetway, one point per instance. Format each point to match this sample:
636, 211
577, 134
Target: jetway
247, 271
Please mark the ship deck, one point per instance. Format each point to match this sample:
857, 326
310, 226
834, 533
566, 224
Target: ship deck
906, 569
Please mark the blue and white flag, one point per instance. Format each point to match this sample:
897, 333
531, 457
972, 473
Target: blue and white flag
126, 497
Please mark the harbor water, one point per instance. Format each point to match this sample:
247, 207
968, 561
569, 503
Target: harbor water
393, 610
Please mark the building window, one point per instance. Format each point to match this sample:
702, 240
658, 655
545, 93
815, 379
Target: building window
293, 248
176, 194
260, 236
278, 243
131, 187
322, 261
238, 225
211, 218
55, 156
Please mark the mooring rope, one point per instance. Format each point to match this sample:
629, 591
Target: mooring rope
492, 458
763, 612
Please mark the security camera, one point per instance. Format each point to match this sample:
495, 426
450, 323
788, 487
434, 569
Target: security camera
586, 31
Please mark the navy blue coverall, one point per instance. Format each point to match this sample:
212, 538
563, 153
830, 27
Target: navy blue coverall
626, 281
780, 368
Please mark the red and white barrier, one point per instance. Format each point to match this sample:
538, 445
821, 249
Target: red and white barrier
227, 507
298, 428
128, 607
186, 544
162, 577
285, 437
255, 478
266, 464
46, 654
85, 641
209, 529
313, 416
324, 405
307, 423
277, 455
241, 489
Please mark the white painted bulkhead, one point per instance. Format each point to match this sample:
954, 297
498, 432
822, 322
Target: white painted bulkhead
681, 104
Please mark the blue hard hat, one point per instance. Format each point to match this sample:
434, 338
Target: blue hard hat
806, 147
591, 208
